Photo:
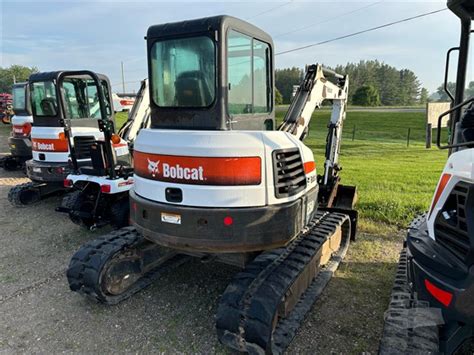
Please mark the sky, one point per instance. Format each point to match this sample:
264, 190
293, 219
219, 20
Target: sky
100, 35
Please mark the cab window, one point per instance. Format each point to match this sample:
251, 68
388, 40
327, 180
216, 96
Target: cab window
44, 100
19, 98
184, 72
82, 99
248, 75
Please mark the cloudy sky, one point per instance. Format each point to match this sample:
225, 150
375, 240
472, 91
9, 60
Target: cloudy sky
99, 35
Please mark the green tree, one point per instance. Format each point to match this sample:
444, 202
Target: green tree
278, 97
13, 73
424, 96
285, 79
366, 96
442, 94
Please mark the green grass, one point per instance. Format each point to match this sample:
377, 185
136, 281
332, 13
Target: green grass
394, 182
120, 119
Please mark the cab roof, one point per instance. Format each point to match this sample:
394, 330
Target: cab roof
464, 9
206, 24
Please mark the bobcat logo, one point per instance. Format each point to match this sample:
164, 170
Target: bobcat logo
153, 167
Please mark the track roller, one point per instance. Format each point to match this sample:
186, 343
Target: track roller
262, 308
113, 267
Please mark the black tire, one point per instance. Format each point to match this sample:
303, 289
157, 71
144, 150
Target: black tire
10, 164
120, 213
24, 194
70, 201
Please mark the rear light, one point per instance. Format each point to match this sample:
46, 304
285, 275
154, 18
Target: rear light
309, 166
441, 186
228, 221
62, 136
26, 128
126, 102
105, 189
68, 183
444, 297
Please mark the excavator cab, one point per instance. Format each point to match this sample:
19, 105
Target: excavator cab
211, 74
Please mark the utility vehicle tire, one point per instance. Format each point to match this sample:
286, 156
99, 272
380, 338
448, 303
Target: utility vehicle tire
24, 194
70, 201
119, 213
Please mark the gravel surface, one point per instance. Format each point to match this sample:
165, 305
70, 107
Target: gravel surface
175, 314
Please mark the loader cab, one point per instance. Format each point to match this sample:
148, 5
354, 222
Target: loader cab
214, 73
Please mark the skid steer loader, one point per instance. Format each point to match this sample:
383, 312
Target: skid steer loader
50, 164
215, 179
432, 305
100, 194
19, 141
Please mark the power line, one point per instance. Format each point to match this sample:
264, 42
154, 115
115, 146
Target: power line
269, 10
360, 32
327, 20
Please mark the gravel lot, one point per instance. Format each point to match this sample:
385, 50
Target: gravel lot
176, 314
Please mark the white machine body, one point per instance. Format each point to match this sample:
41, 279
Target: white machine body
214, 168
459, 167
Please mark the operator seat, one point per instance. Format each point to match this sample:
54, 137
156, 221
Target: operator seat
192, 90
48, 106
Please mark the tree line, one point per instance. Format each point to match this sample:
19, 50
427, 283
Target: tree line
371, 83
14, 73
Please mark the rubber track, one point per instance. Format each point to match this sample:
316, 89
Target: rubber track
247, 307
85, 267
15, 192
405, 309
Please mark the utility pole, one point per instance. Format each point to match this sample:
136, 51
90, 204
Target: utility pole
14, 79
123, 81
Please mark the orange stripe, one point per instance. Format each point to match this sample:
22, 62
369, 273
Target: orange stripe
50, 145
309, 166
198, 170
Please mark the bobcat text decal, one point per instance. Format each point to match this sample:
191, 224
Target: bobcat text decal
198, 170
49, 145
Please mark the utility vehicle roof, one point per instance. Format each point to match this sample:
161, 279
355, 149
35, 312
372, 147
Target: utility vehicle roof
52, 75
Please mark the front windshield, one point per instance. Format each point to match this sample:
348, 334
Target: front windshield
19, 99
184, 72
43, 99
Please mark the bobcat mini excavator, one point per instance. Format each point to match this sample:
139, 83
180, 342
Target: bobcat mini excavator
19, 140
432, 302
215, 180
100, 194
51, 156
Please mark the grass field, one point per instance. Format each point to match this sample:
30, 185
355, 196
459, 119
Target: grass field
394, 181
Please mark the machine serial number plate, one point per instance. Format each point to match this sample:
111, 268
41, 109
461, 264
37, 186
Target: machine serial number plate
170, 218
37, 170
